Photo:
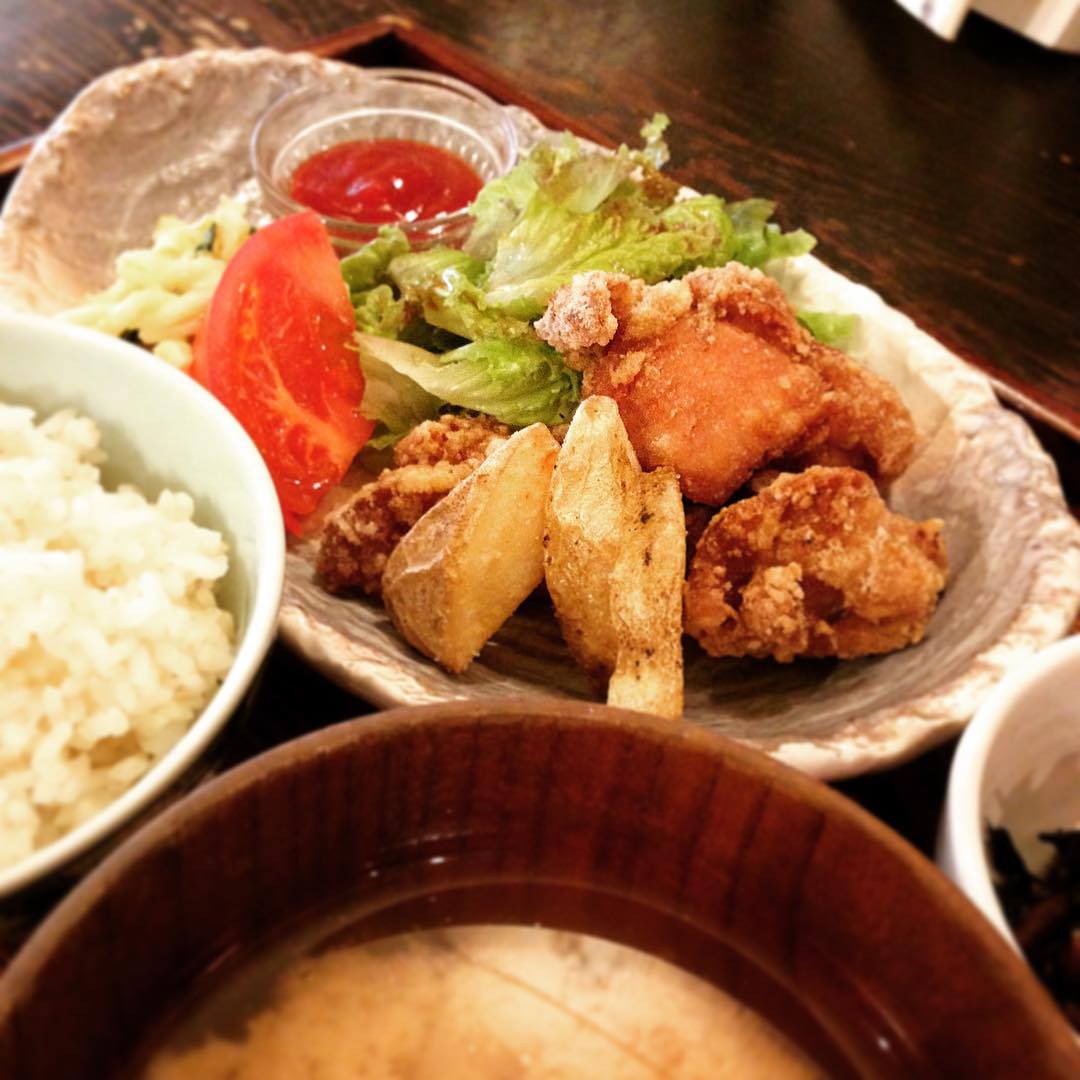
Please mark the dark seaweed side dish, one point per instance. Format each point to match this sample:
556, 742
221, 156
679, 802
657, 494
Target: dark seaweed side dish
1044, 911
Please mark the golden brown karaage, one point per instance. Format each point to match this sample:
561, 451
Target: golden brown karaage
714, 376
814, 565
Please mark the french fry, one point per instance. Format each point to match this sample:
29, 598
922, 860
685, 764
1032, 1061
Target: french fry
615, 562
465, 566
593, 494
646, 599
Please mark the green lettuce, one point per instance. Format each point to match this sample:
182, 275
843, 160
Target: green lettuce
829, 327
379, 311
565, 209
367, 266
418, 272
655, 152
517, 382
394, 401
448, 327
443, 284
498, 206
757, 240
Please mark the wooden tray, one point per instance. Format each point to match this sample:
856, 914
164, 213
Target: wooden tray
394, 41
397, 41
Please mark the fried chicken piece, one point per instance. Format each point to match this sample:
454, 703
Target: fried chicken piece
455, 440
358, 537
814, 565
867, 425
705, 385
714, 376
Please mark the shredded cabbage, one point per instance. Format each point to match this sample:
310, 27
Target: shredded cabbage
161, 293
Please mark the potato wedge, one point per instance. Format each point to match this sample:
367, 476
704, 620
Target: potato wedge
615, 562
594, 494
646, 602
463, 568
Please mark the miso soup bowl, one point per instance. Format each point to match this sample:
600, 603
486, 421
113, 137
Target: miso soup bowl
662, 837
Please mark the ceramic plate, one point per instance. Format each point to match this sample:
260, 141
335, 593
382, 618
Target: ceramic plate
170, 136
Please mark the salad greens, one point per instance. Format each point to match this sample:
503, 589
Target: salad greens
829, 327
518, 382
447, 327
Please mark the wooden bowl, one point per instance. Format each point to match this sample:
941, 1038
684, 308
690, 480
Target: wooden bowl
663, 837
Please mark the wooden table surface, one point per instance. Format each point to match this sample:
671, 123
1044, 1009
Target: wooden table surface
942, 175
945, 176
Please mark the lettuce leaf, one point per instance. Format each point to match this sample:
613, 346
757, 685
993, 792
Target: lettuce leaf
829, 327
446, 327
498, 206
367, 266
378, 311
550, 243
394, 401
442, 284
461, 308
517, 382
417, 272
655, 152
565, 209
757, 240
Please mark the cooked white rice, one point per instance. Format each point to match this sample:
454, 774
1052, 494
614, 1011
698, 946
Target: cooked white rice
111, 640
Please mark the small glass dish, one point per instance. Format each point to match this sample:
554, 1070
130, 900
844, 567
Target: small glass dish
391, 103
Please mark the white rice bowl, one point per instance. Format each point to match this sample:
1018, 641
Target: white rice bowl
111, 639
141, 566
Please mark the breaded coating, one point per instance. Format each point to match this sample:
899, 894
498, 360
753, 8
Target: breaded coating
814, 565
455, 440
714, 376
701, 369
358, 537
583, 320
867, 425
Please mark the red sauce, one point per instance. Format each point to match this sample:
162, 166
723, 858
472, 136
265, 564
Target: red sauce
382, 180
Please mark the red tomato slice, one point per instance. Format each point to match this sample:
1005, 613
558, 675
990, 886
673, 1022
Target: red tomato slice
277, 350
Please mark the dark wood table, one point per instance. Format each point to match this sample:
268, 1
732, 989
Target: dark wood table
942, 175
945, 176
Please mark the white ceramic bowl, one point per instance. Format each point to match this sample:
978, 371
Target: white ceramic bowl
1017, 765
159, 429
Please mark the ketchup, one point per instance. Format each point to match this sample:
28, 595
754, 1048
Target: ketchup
384, 180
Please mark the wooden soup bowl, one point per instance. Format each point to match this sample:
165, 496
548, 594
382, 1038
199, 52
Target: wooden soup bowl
660, 836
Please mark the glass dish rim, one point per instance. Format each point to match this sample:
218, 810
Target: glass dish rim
279, 202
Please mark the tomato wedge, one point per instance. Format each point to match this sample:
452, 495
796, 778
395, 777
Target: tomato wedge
277, 350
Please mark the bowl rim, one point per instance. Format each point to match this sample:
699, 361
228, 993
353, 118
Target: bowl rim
208, 799
253, 645
280, 201
961, 847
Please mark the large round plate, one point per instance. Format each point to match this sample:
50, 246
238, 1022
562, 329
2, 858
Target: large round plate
170, 136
